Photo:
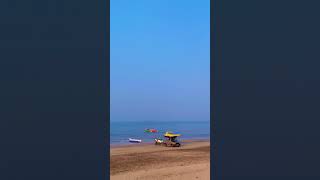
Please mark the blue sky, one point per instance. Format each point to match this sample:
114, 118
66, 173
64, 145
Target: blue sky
160, 60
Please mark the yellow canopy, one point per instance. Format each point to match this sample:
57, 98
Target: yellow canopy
170, 134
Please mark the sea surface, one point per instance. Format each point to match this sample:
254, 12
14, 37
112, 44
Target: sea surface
121, 131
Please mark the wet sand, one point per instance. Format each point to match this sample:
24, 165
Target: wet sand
151, 162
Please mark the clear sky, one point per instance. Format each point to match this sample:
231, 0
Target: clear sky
160, 60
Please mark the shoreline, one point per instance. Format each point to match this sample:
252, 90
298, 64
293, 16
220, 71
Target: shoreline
128, 144
149, 161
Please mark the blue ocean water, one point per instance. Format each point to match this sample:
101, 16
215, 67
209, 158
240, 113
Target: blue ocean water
121, 131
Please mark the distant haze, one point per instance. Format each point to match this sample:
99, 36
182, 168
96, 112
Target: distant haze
160, 60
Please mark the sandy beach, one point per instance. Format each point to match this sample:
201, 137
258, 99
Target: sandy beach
151, 162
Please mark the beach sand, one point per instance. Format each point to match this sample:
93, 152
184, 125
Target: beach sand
151, 162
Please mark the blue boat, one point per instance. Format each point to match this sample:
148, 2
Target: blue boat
135, 140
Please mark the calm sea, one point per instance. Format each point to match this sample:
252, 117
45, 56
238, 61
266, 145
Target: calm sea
121, 131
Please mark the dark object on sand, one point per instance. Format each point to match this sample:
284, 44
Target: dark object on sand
158, 141
171, 140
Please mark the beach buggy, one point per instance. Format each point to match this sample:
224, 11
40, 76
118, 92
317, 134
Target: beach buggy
171, 140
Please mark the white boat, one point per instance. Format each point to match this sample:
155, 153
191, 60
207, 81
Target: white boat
135, 140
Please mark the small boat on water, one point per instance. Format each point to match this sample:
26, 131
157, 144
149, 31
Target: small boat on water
135, 140
151, 130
